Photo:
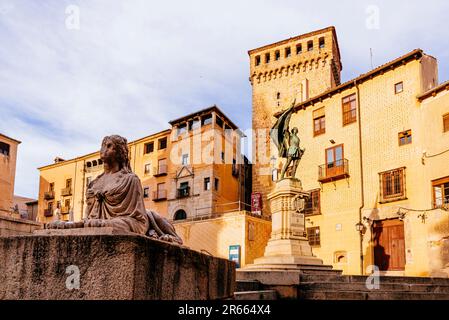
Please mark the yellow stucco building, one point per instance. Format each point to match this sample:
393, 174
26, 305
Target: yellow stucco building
377, 153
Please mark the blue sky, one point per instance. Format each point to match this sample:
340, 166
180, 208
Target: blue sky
134, 65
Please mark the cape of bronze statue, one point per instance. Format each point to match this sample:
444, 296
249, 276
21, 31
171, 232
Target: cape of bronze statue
115, 198
287, 142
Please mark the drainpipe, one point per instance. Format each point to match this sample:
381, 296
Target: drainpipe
362, 190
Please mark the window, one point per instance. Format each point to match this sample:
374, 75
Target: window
310, 45
206, 184
392, 185
180, 215
405, 137
183, 190
298, 48
274, 175
182, 128
94, 163
67, 204
148, 168
148, 147
146, 192
349, 109
50, 206
278, 95
4, 148
222, 157
185, 159
319, 122
398, 87
68, 183
288, 52
162, 166
313, 234
207, 119
162, 143
277, 55
267, 57
440, 189
312, 205
321, 42
216, 184
194, 124
335, 161
52, 187
257, 60
219, 122
161, 191
446, 123
100, 162
88, 181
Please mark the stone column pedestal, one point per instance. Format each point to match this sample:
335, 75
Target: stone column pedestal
288, 247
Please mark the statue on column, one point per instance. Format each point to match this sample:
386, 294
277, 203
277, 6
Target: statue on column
287, 142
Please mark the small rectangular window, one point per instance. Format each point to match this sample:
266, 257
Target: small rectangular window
309, 45
162, 143
148, 168
405, 137
146, 192
446, 123
149, 147
277, 55
4, 148
321, 42
319, 122
216, 184
162, 166
392, 185
312, 205
441, 193
52, 187
288, 52
349, 109
299, 48
267, 57
313, 235
205, 120
398, 87
257, 60
68, 183
206, 184
185, 159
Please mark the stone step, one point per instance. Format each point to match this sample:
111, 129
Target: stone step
387, 287
256, 295
248, 285
315, 278
361, 295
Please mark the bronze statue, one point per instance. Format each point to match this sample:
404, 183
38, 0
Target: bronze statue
115, 198
287, 142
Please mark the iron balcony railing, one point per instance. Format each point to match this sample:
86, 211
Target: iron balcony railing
333, 170
160, 171
49, 195
183, 192
66, 191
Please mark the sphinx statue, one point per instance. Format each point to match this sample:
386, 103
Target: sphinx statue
115, 198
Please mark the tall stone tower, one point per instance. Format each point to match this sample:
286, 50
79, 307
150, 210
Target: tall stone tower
297, 68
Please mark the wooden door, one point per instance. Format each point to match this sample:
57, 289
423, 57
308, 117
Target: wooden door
389, 245
334, 161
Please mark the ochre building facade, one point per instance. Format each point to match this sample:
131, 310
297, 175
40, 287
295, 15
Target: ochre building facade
376, 159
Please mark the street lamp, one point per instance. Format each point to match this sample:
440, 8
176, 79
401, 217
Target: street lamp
359, 227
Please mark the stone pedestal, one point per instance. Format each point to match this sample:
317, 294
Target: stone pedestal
288, 247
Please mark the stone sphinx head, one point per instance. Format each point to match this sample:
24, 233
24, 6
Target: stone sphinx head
114, 149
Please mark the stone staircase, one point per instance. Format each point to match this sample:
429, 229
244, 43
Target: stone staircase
331, 285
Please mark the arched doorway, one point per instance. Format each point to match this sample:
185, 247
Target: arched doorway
180, 215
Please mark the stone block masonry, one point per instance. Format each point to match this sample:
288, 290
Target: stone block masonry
109, 267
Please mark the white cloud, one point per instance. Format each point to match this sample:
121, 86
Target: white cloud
134, 65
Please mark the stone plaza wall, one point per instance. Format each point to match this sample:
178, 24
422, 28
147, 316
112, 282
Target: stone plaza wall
111, 267
15, 226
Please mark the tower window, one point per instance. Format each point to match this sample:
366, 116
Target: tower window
267, 57
321, 42
398, 87
288, 52
206, 184
277, 55
309, 45
257, 60
4, 148
278, 95
298, 48
405, 137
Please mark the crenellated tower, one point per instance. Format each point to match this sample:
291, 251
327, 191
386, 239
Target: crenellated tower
300, 67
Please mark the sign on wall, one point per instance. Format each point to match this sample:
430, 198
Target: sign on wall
234, 254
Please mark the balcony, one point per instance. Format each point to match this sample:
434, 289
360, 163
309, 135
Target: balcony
48, 212
160, 171
159, 195
333, 171
183, 192
66, 192
65, 210
49, 195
